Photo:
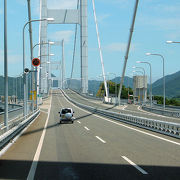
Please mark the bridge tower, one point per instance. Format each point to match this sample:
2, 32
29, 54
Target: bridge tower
65, 16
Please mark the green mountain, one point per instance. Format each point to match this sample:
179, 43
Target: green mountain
94, 84
172, 83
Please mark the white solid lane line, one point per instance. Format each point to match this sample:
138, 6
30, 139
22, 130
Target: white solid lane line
133, 164
100, 139
86, 128
79, 122
38, 151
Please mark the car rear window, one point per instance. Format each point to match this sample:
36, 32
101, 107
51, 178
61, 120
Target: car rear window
64, 111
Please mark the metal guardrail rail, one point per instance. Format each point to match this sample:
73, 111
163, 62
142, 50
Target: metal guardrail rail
87, 96
176, 108
123, 101
15, 127
167, 128
168, 113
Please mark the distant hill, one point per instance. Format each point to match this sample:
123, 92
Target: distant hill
93, 85
127, 81
15, 86
172, 83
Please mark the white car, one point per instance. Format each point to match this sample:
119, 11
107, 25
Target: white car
66, 114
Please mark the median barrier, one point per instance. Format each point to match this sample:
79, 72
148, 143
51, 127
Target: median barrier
167, 128
168, 113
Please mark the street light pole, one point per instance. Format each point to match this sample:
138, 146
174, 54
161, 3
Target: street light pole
25, 80
38, 44
164, 102
150, 79
5, 67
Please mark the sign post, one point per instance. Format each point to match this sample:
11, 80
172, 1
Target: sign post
35, 62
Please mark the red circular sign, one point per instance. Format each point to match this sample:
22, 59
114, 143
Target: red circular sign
36, 62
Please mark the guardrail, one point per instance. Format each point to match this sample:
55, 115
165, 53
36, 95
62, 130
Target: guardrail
14, 128
167, 128
123, 101
162, 112
87, 96
176, 108
12, 113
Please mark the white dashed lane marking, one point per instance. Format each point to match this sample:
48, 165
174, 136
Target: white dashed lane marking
86, 128
100, 139
133, 164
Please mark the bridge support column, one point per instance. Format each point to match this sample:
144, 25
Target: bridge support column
84, 46
43, 54
65, 16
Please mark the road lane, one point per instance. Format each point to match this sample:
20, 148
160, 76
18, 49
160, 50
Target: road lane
70, 151
145, 150
132, 109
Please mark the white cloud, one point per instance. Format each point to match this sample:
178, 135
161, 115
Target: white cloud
35, 7
12, 59
118, 47
21, 2
102, 17
173, 35
60, 35
167, 8
121, 3
162, 23
61, 4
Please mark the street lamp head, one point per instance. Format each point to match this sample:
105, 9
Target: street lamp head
51, 42
51, 54
50, 19
138, 61
169, 42
148, 54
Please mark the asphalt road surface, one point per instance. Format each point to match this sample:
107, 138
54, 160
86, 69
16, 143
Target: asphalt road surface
131, 109
93, 147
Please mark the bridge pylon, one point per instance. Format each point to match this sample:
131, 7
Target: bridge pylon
65, 16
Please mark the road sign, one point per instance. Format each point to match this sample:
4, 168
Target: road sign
26, 70
36, 62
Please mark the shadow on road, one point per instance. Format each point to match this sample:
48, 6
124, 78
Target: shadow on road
12, 169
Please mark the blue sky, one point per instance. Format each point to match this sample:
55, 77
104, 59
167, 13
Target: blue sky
156, 22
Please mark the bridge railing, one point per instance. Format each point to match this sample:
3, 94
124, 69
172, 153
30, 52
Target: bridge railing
166, 112
167, 128
87, 96
111, 101
14, 127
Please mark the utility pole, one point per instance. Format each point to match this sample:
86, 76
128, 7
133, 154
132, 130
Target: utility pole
32, 83
63, 65
5, 67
